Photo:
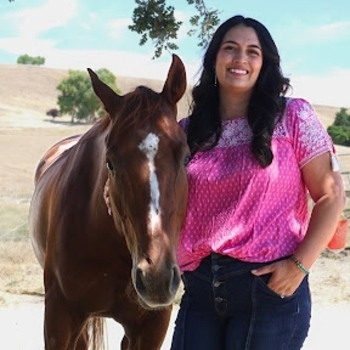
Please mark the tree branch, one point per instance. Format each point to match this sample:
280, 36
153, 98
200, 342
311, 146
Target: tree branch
153, 20
206, 19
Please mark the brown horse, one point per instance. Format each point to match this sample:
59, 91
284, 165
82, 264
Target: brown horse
121, 266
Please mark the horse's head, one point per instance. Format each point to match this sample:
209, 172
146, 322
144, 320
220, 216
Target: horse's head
146, 152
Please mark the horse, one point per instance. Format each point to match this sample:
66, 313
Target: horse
123, 265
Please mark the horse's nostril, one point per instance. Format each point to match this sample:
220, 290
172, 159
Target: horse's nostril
140, 285
175, 280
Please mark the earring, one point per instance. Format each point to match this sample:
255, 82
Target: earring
215, 81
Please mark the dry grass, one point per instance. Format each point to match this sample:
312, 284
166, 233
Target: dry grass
20, 272
29, 87
34, 88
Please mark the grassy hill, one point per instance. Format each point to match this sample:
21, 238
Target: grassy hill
30, 91
34, 88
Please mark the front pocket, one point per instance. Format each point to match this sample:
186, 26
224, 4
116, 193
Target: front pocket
263, 280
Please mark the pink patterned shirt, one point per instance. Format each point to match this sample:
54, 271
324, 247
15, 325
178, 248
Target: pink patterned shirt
239, 209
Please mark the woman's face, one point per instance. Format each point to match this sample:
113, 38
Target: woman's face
239, 60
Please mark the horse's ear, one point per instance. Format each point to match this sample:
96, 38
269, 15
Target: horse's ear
175, 84
108, 97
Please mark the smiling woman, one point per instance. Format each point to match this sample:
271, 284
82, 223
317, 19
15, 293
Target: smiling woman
237, 67
248, 244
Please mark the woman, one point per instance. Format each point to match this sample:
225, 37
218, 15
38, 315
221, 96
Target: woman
248, 244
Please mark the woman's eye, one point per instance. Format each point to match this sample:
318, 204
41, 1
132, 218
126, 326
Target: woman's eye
109, 165
228, 48
254, 53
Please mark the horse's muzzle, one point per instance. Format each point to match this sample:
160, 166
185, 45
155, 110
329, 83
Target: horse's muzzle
156, 287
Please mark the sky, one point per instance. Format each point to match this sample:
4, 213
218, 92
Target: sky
313, 38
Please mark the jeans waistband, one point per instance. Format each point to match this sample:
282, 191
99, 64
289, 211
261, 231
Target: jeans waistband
218, 262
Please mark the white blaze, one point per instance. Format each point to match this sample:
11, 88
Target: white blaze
149, 146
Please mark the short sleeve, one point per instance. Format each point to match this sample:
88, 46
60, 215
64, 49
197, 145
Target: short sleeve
309, 138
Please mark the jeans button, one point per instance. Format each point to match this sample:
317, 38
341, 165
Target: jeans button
216, 267
217, 284
218, 300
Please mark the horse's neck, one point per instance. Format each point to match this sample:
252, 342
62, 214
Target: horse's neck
91, 148
85, 164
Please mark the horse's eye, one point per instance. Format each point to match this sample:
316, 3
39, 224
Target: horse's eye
187, 160
109, 165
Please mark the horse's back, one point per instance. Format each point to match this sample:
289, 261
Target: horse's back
45, 180
54, 153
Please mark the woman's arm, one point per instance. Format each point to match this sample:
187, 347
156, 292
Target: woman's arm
327, 191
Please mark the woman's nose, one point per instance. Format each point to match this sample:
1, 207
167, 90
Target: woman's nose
239, 56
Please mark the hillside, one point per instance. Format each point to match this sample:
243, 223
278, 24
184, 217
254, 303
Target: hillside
34, 88
24, 87
27, 92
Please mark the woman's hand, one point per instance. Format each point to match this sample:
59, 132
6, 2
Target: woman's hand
285, 276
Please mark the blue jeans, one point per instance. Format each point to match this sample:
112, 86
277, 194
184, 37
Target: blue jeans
225, 307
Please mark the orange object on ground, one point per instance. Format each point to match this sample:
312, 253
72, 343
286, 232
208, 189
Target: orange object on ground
338, 240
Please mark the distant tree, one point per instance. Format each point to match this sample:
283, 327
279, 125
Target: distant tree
339, 131
26, 59
77, 97
152, 19
53, 112
342, 118
339, 135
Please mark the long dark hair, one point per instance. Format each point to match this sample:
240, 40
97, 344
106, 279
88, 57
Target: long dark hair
267, 100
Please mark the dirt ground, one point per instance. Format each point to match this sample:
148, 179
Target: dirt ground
23, 139
22, 303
